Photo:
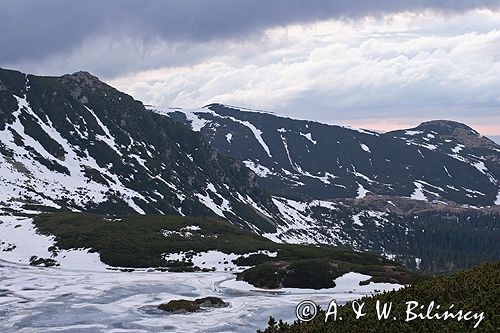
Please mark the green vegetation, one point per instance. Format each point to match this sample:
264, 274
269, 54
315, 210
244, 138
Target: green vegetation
210, 301
319, 273
183, 305
477, 291
180, 306
445, 239
47, 262
142, 240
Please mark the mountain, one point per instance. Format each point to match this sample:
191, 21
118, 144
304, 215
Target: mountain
438, 160
413, 195
75, 143
106, 170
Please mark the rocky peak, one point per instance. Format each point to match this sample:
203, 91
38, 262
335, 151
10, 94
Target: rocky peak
455, 130
83, 82
447, 125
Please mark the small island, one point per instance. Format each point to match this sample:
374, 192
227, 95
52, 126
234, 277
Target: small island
183, 306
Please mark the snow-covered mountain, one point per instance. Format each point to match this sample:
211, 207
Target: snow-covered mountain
75, 143
426, 196
438, 160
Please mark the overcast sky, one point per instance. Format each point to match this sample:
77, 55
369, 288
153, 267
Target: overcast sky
372, 64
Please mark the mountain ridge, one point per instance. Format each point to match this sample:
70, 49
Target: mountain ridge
74, 143
396, 153
76, 135
429, 202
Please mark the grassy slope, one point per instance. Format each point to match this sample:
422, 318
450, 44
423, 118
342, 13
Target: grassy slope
476, 290
138, 241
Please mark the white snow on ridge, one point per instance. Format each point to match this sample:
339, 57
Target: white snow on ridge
433, 186
365, 177
457, 149
308, 136
191, 228
365, 148
411, 132
447, 172
259, 170
197, 123
481, 167
268, 253
429, 146
473, 191
497, 201
301, 228
208, 202
294, 212
107, 137
24, 178
360, 130
229, 137
256, 132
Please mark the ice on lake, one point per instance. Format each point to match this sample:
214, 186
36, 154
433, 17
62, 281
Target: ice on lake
34, 299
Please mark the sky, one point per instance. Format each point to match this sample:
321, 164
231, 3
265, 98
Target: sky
373, 64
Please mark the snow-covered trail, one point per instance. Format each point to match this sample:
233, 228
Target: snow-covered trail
34, 299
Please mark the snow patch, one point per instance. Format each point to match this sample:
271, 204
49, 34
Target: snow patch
356, 220
418, 194
413, 132
481, 167
197, 123
457, 149
308, 136
208, 202
418, 261
365, 148
361, 191
259, 170
25, 241
213, 259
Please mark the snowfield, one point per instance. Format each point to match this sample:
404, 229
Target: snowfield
34, 299
84, 295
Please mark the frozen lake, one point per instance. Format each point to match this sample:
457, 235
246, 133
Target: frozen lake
34, 299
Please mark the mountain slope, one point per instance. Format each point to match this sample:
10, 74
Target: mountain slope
412, 200
304, 159
462, 143
75, 143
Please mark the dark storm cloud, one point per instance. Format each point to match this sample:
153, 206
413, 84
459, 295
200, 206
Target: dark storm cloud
35, 29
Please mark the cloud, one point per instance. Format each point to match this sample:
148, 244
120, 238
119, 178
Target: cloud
417, 66
357, 62
46, 31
